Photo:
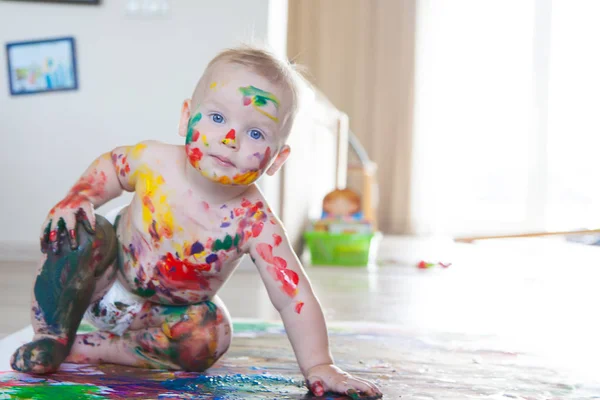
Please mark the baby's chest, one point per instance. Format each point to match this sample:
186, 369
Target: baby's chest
211, 233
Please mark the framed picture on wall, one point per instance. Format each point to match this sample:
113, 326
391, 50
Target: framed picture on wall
63, 1
41, 66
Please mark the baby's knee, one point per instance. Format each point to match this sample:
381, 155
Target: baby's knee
203, 335
98, 248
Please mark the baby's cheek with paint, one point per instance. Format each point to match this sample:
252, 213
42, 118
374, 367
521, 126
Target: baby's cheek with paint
192, 141
194, 155
194, 148
265, 159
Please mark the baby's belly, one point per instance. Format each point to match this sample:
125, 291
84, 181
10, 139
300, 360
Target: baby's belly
172, 281
166, 275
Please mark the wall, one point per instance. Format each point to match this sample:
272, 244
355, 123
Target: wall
134, 74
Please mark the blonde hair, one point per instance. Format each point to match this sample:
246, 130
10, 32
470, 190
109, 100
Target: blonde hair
265, 63
347, 194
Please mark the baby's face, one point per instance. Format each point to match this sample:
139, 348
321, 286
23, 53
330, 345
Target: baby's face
236, 127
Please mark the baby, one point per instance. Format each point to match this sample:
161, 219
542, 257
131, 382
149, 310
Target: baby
149, 283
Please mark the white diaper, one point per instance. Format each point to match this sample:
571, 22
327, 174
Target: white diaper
115, 311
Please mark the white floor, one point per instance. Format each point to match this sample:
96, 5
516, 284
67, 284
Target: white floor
540, 295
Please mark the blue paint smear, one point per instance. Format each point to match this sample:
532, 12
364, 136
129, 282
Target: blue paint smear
197, 247
233, 386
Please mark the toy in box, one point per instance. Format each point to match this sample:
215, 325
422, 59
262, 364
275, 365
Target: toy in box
341, 236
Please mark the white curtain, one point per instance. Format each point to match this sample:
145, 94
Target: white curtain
574, 116
505, 129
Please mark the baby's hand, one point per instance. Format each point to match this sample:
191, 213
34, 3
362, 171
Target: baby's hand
329, 378
61, 221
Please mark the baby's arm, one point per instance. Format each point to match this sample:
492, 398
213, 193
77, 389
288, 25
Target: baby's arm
292, 295
102, 181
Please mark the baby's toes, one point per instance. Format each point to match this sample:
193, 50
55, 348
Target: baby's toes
16, 360
39, 357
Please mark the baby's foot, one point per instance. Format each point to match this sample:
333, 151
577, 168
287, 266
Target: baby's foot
41, 356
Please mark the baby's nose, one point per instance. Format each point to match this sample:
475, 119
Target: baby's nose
229, 140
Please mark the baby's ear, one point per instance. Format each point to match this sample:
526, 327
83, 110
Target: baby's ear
184, 118
283, 154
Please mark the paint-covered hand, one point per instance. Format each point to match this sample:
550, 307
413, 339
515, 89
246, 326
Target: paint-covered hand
329, 378
61, 223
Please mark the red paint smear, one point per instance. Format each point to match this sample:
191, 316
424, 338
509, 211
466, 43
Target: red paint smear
287, 277
256, 208
246, 203
230, 135
257, 228
266, 159
277, 268
238, 211
277, 239
299, 306
247, 101
195, 136
265, 251
123, 169
183, 274
85, 190
53, 235
317, 388
194, 154
147, 202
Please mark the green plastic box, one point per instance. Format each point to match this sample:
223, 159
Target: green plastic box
343, 249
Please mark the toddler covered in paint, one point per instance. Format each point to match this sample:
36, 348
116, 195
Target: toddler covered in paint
149, 283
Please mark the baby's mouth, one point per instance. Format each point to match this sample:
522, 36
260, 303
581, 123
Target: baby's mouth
223, 161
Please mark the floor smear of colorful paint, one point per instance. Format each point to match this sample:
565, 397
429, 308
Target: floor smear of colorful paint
261, 365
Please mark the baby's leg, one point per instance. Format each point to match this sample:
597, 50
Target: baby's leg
190, 338
64, 287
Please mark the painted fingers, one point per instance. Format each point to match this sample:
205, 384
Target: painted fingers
332, 379
61, 225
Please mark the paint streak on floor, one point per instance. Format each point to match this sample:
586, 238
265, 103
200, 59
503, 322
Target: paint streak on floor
261, 365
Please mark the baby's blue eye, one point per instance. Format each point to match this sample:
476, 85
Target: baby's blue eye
218, 118
255, 134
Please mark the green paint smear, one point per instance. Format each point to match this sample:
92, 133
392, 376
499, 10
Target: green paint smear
45, 391
177, 311
224, 244
260, 97
258, 326
145, 292
86, 327
55, 297
236, 240
190, 132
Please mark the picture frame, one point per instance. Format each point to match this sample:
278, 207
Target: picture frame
41, 66
85, 2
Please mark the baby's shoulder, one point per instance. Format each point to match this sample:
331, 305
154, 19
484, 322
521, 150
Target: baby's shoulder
146, 150
131, 160
255, 205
